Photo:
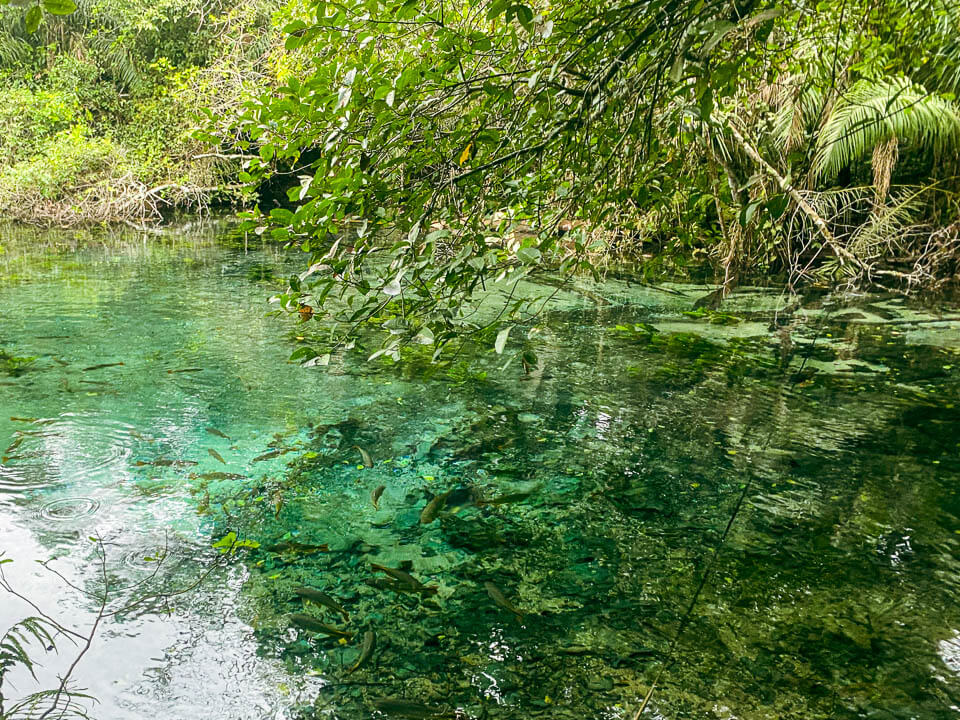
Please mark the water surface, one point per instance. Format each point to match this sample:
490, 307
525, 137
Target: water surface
757, 509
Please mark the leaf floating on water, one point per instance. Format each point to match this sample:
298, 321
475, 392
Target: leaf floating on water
218, 433
101, 366
216, 456
367, 460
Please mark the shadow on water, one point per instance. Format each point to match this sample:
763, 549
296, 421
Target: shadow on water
476, 541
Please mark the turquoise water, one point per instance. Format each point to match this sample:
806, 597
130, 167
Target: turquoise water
756, 510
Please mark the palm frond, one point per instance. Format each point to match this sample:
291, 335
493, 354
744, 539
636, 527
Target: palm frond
794, 119
872, 112
890, 224
116, 60
14, 642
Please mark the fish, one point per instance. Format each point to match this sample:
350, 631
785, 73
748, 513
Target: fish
307, 622
101, 366
216, 456
366, 650
14, 445
217, 476
434, 507
404, 708
294, 546
506, 499
320, 598
405, 580
14, 418
384, 584
267, 456
218, 433
365, 456
375, 496
166, 462
500, 599
277, 499
182, 370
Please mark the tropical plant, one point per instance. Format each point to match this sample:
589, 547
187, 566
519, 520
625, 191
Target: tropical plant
874, 113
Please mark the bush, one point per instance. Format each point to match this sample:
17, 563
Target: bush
29, 118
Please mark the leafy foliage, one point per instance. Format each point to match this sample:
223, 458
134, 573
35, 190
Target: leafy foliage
873, 112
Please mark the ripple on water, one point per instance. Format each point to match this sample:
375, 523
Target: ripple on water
71, 508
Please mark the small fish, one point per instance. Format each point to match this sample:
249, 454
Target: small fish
218, 475
434, 507
404, 708
214, 431
267, 456
506, 499
13, 418
277, 503
53, 337
385, 584
320, 598
406, 580
166, 462
365, 456
366, 650
14, 445
216, 456
375, 496
183, 370
307, 622
101, 366
500, 599
294, 546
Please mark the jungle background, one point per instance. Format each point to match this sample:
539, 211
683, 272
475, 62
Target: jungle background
448, 144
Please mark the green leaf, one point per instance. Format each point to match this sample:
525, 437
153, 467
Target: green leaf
528, 255
33, 18
497, 7
59, 7
501, 341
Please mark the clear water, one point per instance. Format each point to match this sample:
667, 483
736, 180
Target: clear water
790, 474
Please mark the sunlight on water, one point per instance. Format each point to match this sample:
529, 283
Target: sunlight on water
146, 400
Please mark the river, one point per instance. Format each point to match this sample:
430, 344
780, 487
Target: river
754, 510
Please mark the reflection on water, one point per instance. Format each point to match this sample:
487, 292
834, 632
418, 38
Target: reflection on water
542, 534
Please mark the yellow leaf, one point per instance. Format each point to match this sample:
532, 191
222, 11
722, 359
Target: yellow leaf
466, 153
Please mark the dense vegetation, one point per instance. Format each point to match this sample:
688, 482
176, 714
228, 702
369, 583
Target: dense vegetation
98, 104
428, 148
494, 139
